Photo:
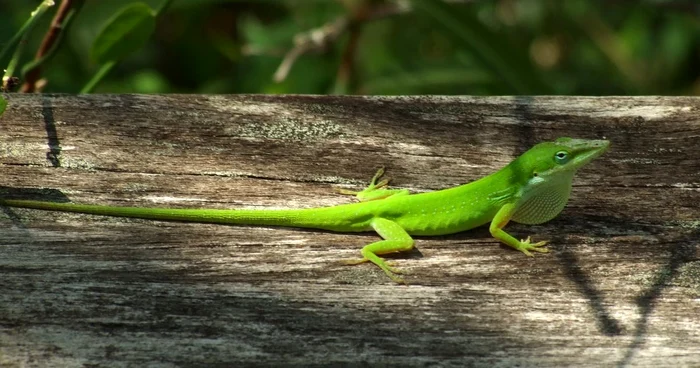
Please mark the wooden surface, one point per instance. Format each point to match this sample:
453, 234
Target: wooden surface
621, 286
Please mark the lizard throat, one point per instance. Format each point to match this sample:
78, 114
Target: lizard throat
544, 203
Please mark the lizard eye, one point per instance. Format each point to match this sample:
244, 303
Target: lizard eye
561, 157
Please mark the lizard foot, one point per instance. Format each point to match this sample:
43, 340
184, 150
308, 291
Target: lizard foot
375, 190
526, 246
387, 267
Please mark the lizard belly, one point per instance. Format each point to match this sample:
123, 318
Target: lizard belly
442, 219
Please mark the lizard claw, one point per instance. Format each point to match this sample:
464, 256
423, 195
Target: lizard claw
373, 183
346, 191
352, 262
392, 267
388, 268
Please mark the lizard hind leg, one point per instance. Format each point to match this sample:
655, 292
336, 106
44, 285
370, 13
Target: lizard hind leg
396, 239
375, 190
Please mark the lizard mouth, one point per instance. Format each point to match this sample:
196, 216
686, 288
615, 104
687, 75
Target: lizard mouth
589, 150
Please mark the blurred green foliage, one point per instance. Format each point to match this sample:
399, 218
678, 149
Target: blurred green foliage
582, 47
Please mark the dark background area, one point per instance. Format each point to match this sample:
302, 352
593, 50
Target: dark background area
576, 47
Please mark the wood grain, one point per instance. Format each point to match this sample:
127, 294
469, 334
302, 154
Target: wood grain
621, 286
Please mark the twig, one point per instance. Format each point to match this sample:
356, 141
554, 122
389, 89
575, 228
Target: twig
346, 70
47, 44
345, 76
319, 39
20, 35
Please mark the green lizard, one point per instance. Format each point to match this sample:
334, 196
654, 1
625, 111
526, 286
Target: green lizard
532, 189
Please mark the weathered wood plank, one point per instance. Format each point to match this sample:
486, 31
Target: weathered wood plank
621, 286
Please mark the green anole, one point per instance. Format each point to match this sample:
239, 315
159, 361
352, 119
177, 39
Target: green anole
532, 189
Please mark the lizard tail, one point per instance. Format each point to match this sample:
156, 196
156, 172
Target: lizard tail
318, 218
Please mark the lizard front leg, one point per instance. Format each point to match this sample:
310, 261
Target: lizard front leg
500, 220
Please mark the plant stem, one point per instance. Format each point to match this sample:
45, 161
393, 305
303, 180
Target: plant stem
21, 34
64, 15
104, 70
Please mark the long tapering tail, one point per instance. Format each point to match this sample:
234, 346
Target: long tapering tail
319, 218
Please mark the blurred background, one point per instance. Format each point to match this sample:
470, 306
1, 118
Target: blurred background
501, 47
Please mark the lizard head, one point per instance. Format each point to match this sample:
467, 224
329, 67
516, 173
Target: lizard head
545, 172
562, 157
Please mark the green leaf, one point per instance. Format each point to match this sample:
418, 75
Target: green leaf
124, 34
3, 105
